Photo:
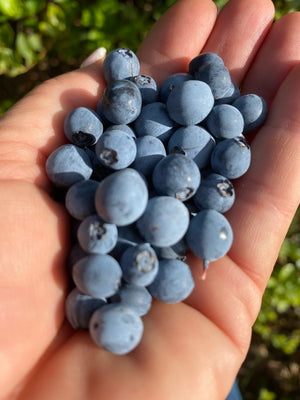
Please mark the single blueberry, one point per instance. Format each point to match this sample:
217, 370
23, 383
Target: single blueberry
116, 149
194, 142
173, 283
254, 110
231, 157
121, 102
120, 64
164, 222
217, 77
116, 328
97, 275
225, 121
96, 236
139, 264
83, 126
169, 84
215, 192
232, 94
176, 175
80, 198
150, 150
190, 102
121, 127
203, 59
67, 165
135, 297
80, 307
147, 86
209, 235
154, 120
121, 198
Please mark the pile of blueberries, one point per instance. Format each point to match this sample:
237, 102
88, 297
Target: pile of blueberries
145, 178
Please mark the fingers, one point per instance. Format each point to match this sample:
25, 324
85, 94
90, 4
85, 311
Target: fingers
269, 194
33, 249
175, 360
237, 39
279, 53
37, 120
177, 37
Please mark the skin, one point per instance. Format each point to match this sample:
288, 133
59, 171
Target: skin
191, 350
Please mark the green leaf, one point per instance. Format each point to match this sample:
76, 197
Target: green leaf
35, 42
286, 272
7, 35
24, 48
56, 17
12, 8
32, 7
265, 394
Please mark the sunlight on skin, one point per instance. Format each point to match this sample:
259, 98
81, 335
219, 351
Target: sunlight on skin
191, 350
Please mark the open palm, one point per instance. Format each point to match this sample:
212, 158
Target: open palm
191, 350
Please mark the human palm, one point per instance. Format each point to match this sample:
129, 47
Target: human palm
190, 350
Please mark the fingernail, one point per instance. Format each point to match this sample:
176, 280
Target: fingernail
95, 56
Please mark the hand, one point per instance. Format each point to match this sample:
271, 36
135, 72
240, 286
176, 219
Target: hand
191, 350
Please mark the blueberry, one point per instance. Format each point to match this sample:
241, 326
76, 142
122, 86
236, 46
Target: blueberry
97, 275
139, 264
75, 254
135, 297
121, 127
80, 307
150, 150
209, 235
178, 251
120, 64
194, 142
203, 59
100, 171
169, 84
225, 121
83, 126
164, 222
216, 192
96, 236
127, 236
121, 198
116, 149
190, 102
121, 102
254, 110
232, 94
154, 120
103, 119
80, 198
173, 283
176, 175
217, 77
147, 87
116, 328
231, 158
67, 165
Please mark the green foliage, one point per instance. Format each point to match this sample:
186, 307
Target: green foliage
265, 394
39, 32
285, 6
30, 30
279, 320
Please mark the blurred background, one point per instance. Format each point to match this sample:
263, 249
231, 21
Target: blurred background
43, 38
